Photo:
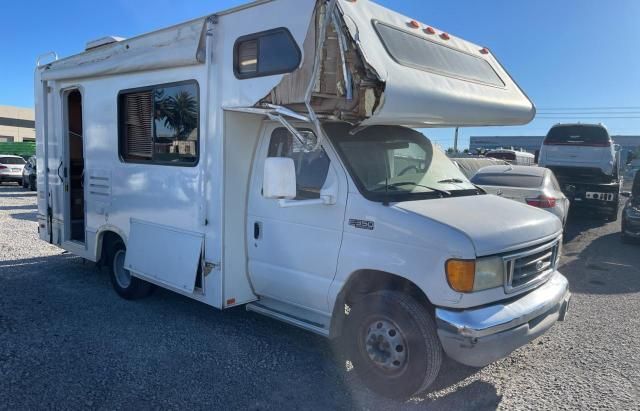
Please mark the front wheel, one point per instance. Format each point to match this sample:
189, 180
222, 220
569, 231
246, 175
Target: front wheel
127, 286
613, 215
392, 343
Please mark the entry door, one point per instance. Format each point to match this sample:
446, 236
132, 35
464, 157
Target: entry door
293, 251
73, 171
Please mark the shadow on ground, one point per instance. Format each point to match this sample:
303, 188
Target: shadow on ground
25, 216
71, 340
580, 221
605, 266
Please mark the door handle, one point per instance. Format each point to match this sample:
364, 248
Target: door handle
257, 230
59, 176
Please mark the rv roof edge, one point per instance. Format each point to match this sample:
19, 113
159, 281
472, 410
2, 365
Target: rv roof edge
102, 41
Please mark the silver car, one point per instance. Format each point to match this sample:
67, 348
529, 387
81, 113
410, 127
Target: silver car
536, 186
11, 168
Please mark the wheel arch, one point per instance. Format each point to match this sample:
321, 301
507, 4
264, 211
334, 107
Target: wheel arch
365, 281
107, 235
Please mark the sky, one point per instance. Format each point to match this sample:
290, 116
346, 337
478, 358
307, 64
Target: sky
569, 56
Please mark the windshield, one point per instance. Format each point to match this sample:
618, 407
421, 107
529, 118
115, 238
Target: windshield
12, 160
578, 135
391, 163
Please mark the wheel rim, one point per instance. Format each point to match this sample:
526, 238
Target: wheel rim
122, 276
385, 345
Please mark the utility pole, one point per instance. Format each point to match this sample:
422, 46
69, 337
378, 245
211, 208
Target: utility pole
455, 141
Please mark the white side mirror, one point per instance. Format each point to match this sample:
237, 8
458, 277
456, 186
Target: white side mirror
279, 179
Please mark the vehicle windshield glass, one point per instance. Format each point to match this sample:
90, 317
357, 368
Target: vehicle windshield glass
12, 160
391, 163
507, 180
578, 135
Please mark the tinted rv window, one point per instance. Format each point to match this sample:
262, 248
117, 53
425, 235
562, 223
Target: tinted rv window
312, 163
265, 54
578, 135
159, 124
423, 54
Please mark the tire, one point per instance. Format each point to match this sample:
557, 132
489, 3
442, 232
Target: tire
127, 286
32, 183
613, 215
24, 183
376, 323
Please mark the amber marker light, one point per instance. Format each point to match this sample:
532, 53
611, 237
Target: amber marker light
461, 274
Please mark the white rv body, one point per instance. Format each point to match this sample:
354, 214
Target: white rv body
206, 230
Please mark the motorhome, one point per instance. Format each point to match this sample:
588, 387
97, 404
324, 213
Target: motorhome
268, 156
515, 157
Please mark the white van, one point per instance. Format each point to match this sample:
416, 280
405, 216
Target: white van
262, 156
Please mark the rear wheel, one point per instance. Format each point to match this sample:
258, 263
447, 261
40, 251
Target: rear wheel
127, 286
392, 343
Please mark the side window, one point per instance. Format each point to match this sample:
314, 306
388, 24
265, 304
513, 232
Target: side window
312, 163
407, 159
159, 124
265, 54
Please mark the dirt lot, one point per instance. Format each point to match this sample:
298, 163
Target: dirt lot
67, 341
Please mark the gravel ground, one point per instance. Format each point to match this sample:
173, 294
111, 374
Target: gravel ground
67, 341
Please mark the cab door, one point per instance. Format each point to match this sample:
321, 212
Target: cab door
294, 244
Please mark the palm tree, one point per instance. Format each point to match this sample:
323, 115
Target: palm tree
179, 111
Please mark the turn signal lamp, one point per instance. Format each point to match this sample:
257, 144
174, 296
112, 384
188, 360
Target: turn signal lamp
430, 30
445, 36
461, 274
414, 24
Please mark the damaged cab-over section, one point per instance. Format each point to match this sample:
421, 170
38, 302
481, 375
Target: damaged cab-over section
379, 67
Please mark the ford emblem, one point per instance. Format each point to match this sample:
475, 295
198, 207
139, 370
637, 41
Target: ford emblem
539, 265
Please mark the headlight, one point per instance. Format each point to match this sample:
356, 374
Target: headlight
467, 276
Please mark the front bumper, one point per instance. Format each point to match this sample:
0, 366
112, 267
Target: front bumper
480, 336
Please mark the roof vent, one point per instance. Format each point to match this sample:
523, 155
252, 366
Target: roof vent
103, 41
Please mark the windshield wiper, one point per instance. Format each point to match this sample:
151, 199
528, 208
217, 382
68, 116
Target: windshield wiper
406, 183
450, 180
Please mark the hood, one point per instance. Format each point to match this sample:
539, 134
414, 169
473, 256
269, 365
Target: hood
493, 224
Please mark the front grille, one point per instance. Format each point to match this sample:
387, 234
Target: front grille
530, 266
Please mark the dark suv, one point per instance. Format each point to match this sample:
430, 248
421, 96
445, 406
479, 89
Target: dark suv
29, 174
631, 213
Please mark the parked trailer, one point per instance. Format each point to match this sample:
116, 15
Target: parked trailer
260, 156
